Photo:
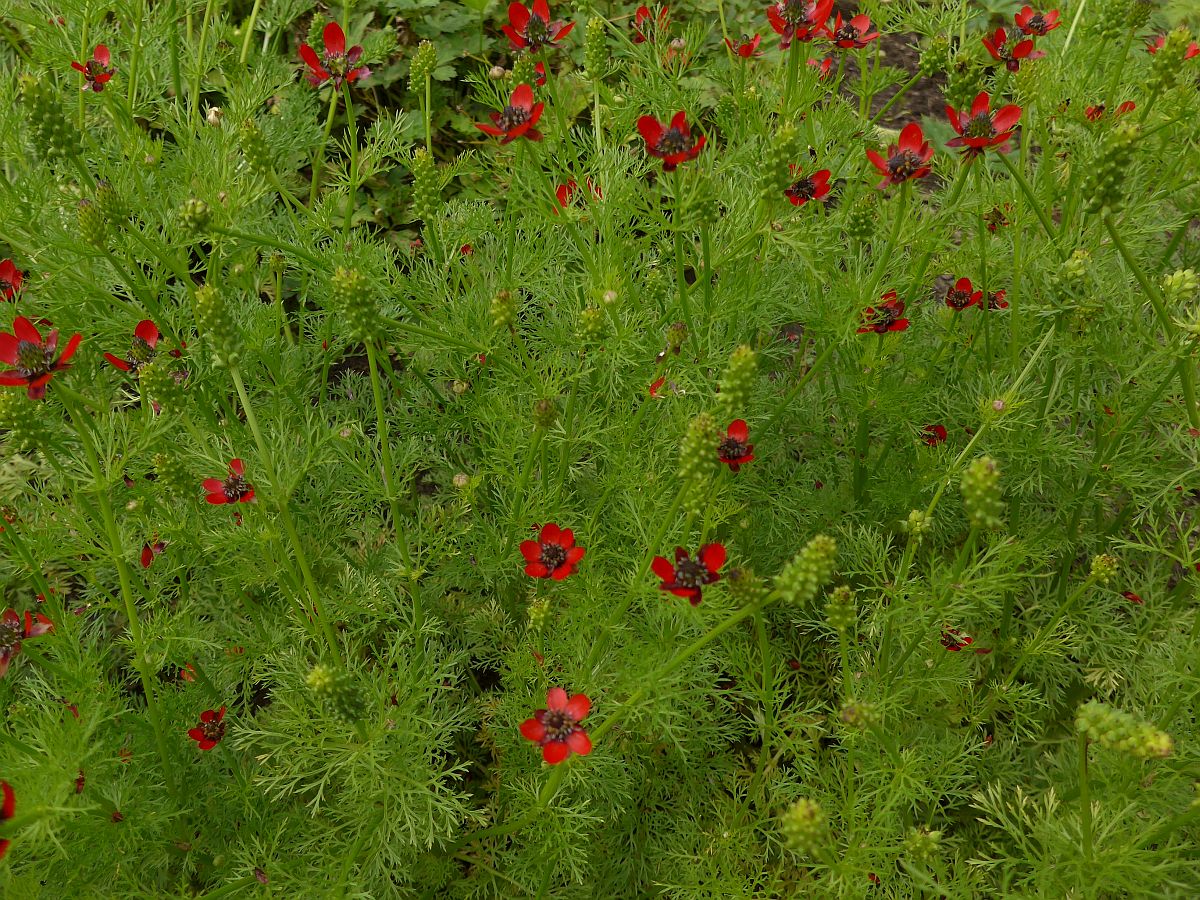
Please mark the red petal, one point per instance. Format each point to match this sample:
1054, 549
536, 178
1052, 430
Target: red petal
147, 556
533, 730
550, 533
36, 624
574, 555
147, 331
651, 130
679, 121
536, 570
712, 556
663, 569
213, 485
878, 161
541, 9
9, 805
237, 467
69, 350
334, 38
518, 42
555, 752
309, 55
738, 430
556, 699
518, 15
8, 348
1006, 118
522, 98
25, 331
196, 734
579, 742
531, 550
117, 363
489, 129
578, 707
216, 499
78, 67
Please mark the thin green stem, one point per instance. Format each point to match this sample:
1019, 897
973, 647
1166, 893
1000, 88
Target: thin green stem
319, 159
680, 278
1027, 190
352, 184
904, 89
249, 32
194, 99
1085, 800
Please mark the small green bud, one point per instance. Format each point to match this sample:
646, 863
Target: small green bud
801, 579
277, 262
1121, 731
1166, 65
745, 587
426, 199
917, 524
339, 693
545, 413
591, 325
1105, 568
255, 149
503, 309
23, 420
676, 335
805, 827
697, 455
112, 206
936, 56
981, 494
859, 715
782, 151
93, 228
350, 293
841, 612
922, 844
738, 381
1181, 286
194, 215
1074, 268
217, 327
524, 70
1138, 13
860, 219
595, 49
424, 61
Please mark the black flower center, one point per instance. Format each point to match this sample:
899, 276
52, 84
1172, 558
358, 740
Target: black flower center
139, 354
846, 33
537, 32
336, 64
957, 299
558, 724
5, 286
1036, 25
213, 730
794, 12
690, 573
731, 448
673, 141
235, 488
804, 189
553, 556
10, 636
903, 165
33, 359
512, 116
980, 126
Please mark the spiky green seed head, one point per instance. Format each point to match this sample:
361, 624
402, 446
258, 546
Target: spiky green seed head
805, 827
801, 580
423, 63
737, 382
1122, 731
980, 488
217, 327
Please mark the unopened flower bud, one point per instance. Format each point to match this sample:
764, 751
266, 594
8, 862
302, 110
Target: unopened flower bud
496, 73
936, 56
214, 116
801, 579
805, 827
676, 335
922, 844
1181, 286
1121, 731
917, 524
981, 494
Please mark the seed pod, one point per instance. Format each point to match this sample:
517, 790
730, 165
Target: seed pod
917, 524
801, 579
424, 61
1104, 183
340, 694
922, 844
1121, 731
697, 455
51, 133
591, 325
22, 419
217, 327
194, 215
936, 56
93, 228
545, 413
173, 474
1105, 568
351, 294
595, 49
805, 827
745, 587
503, 309
860, 219
425, 186
981, 494
524, 70
859, 715
255, 149
738, 381
161, 384
783, 150
841, 613
112, 205
539, 609
1181, 286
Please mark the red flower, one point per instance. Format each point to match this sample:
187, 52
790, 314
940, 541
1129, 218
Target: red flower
733, 449
688, 576
933, 435
567, 193
145, 339
13, 632
553, 554
1153, 46
540, 71
151, 551
531, 29
962, 295
96, 71
644, 24
997, 217
1133, 598
885, 316
210, 730
1011, 56
335, 65
8, 807
954, 641
234, 489
671, 143
747, 47
798, 20
1094, 113
983, 129
907, 160
517, 118
823, 67
853, 34
656, 385
33, 359
996, 300
556, 728
807, 187
1036, 24
10, 279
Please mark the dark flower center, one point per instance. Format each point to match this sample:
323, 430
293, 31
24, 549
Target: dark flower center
139, 354
512, 116
674, 141
95, 67
804, 189
794, 12
846, 33
10, 635
980, 126
33, 359
690, 573
537, 32
731, 448
1036, 25
213, 731
336, 64
235, 488
903, 165
553, 556
5, 286
957, 299
558, 724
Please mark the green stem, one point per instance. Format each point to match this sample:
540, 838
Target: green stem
791, 72
268, 241
791, 395
1111, 93
249, 32
319, 159
1085, 800
904, 89
194, 100
427, 113
1027, 190
285, 517
680, 279
707, 274
352, 185
1059, 615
